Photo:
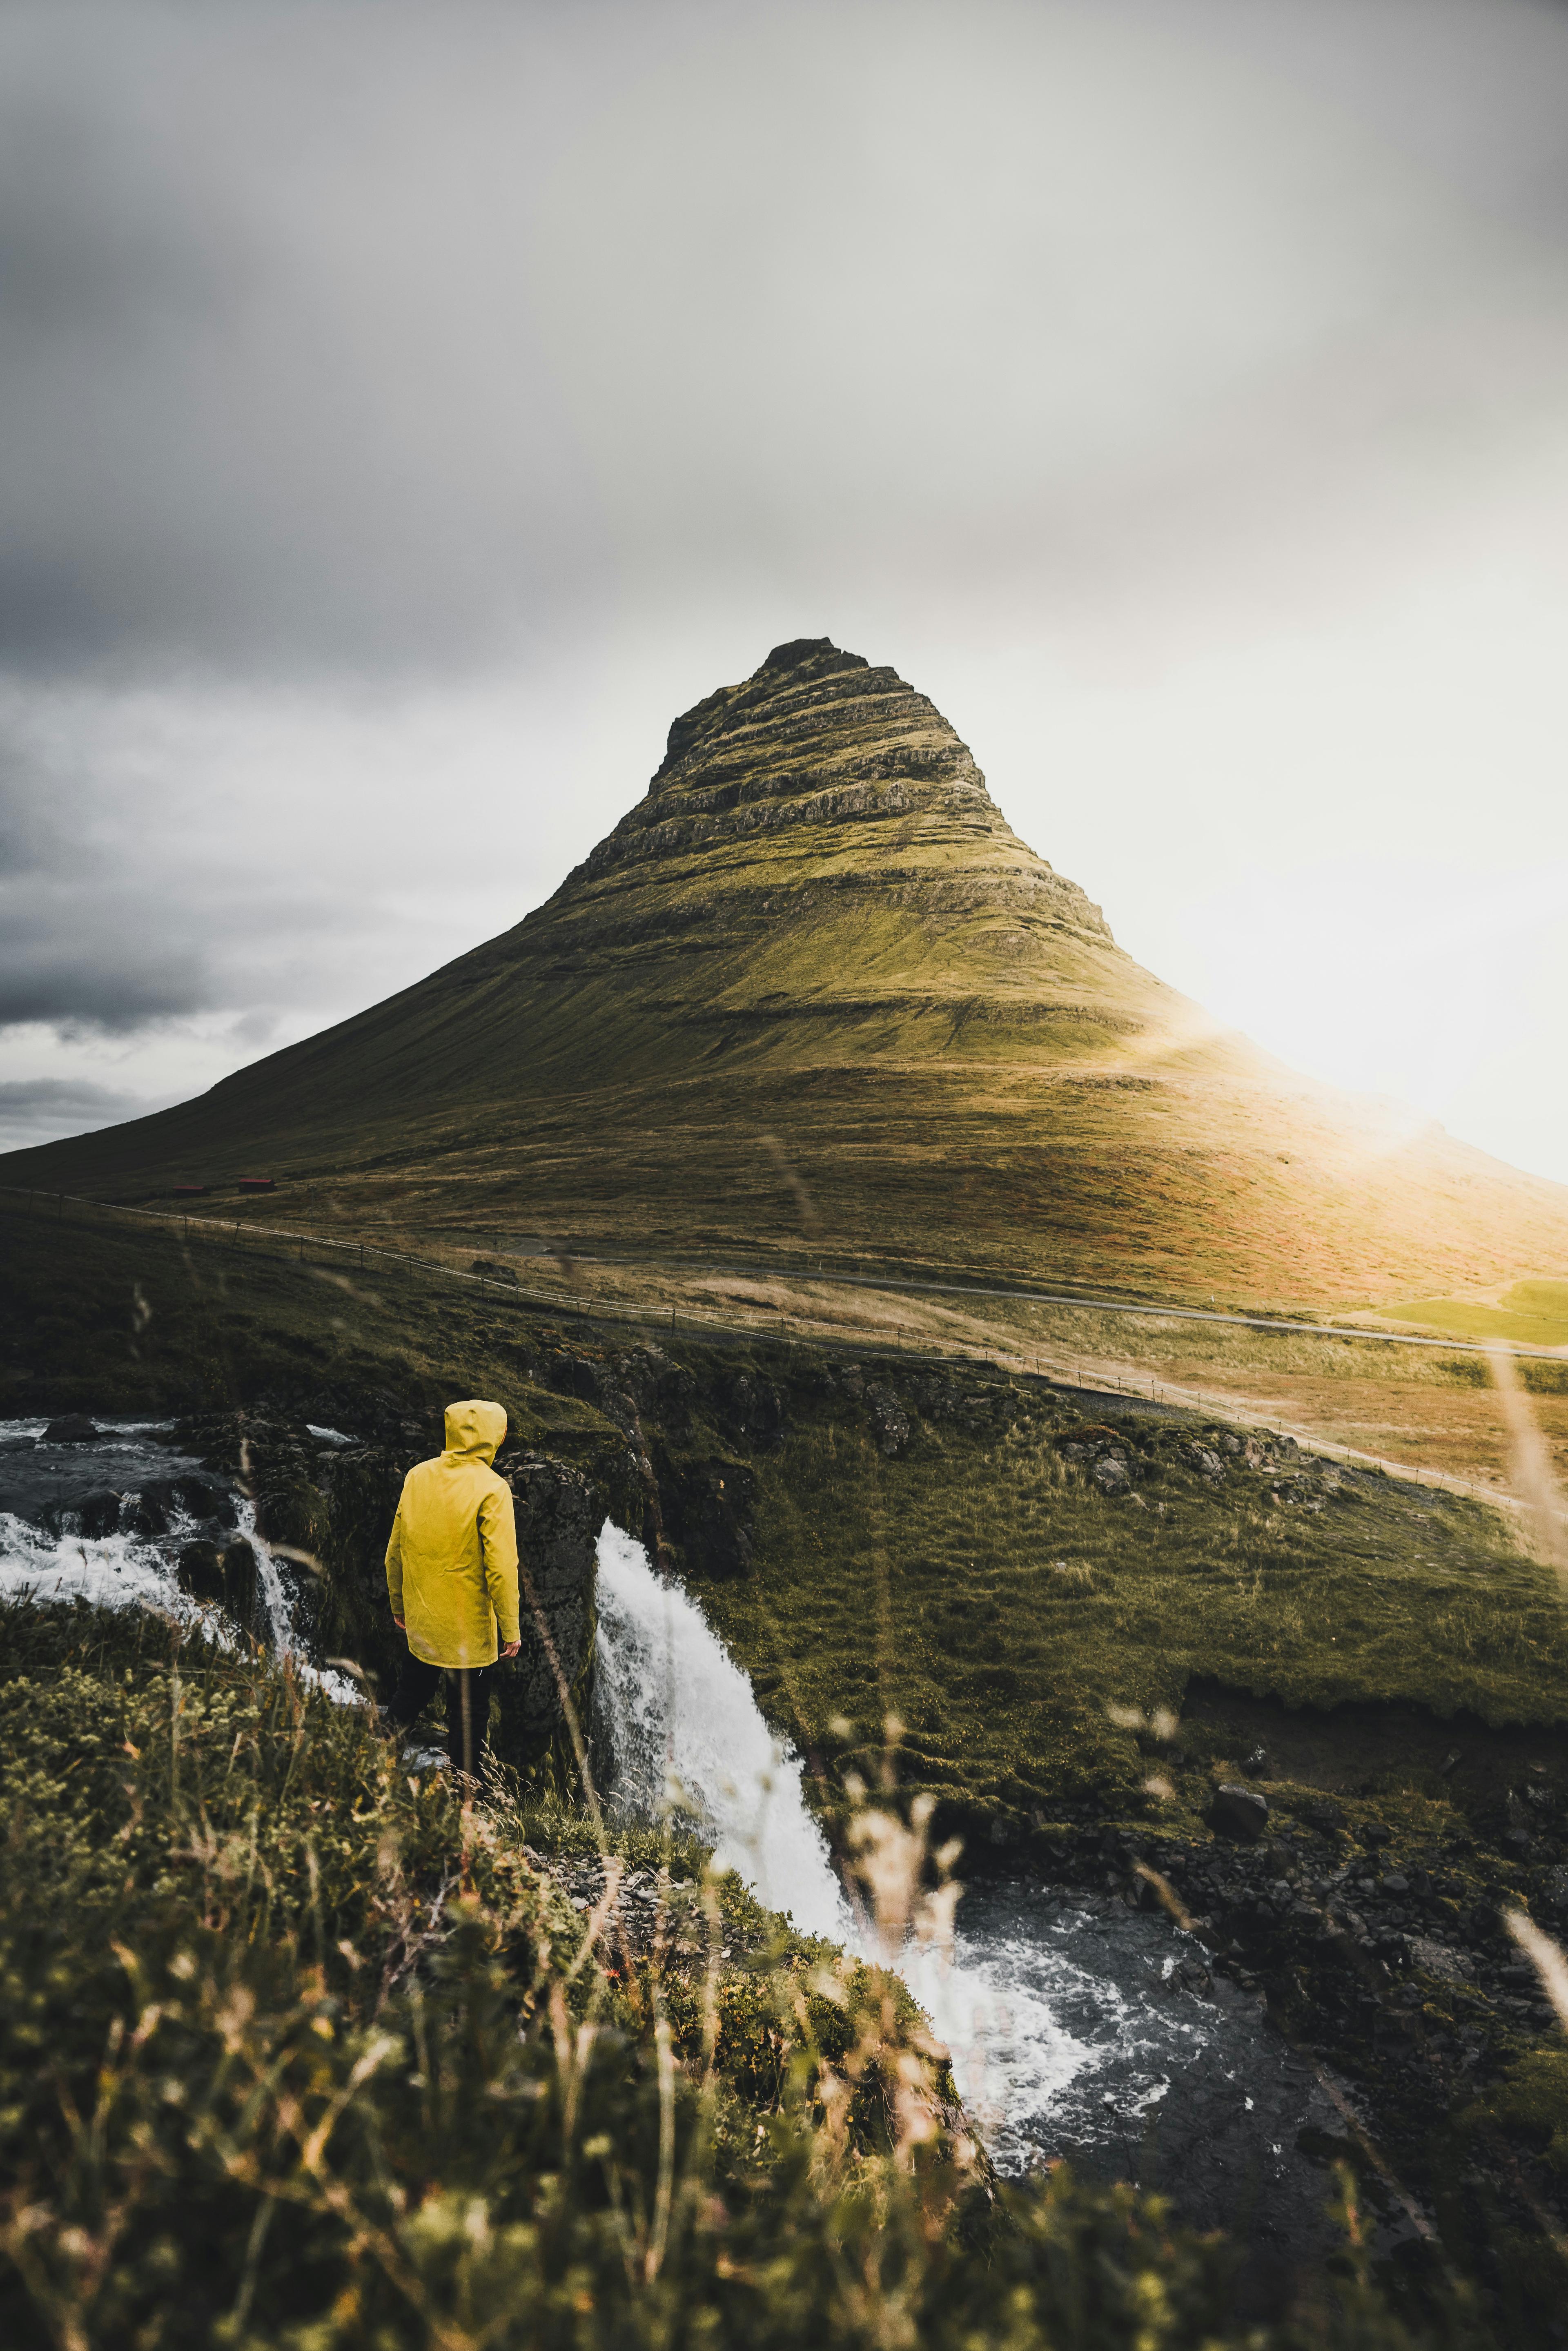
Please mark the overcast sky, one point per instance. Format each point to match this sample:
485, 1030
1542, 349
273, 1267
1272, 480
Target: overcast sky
406, 412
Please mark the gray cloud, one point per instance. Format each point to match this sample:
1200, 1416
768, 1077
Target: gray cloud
391, 338
112, 985
36, 1110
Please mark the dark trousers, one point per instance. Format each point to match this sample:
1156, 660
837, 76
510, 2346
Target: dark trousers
416, 1684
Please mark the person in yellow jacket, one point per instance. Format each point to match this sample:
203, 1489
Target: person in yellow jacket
452, 1579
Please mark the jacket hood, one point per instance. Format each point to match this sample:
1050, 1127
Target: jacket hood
474, 1429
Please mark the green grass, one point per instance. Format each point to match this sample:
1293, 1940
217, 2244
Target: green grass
924, 1586
1530, 1315
982, 1590
98, 1319
295, 2057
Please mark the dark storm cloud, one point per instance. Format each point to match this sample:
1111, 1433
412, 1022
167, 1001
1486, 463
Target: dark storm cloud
33, 1110
383, 336
92, 939
269, 394
111, 981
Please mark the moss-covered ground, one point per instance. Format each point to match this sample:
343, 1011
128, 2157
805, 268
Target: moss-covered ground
987, 1592
942, 1545
295, 2054
978, 1584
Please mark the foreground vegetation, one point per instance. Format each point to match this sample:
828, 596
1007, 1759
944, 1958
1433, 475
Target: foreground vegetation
295, 2053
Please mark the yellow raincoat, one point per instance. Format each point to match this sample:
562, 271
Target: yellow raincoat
452, 1562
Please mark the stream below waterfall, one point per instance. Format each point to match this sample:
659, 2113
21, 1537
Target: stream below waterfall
1073, 2026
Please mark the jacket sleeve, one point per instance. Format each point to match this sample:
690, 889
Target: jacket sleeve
394, 1562
498, 1540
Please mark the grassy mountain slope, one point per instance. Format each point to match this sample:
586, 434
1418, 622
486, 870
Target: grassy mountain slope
812, 989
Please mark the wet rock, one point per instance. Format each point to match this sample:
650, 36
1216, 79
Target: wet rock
291, 1513
708, 1511
754, 1409
347, 1612
138, 1516
201, 1496
224, 1576
94, 1515
18, 1444
1436, 1960
1238, 1812
75, 1428
558, 1514
889, 1421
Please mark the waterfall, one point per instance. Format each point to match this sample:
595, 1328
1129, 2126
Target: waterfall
129, 1571
679, 1722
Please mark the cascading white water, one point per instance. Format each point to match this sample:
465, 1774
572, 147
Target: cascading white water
109, 1570
682, 1725
125, 1571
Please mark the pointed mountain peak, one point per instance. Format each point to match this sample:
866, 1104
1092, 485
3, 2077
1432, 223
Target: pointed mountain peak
820, 770
818, 927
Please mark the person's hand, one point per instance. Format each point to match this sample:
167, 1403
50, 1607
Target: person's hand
511, 1648
399, 1622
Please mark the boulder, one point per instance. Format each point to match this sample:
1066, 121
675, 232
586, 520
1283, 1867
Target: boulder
94, 1514
224, 1576
754, 1408
709, 1504
203, 1496
1238, 1812
1437, 1959
558, 1516
75, 1428
1112, 1476
889, 1421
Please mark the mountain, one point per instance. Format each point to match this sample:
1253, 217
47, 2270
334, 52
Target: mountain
814, 989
